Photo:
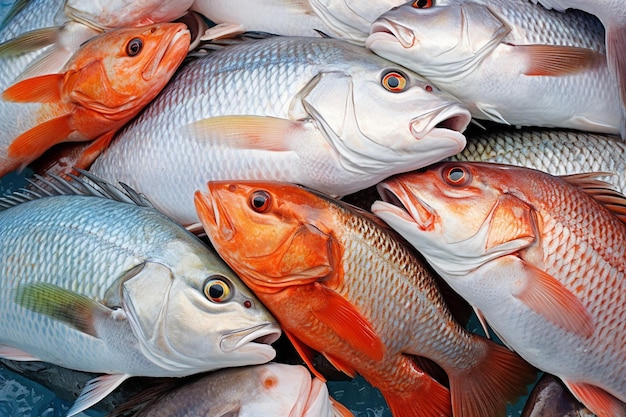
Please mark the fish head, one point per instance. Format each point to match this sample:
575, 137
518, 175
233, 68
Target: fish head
122, 70
124, 13
262, 230
440, 40
351, 20
192, 313
458, 215
381, 119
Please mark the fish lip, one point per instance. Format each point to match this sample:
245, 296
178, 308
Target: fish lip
386, 29
258, 338
168, 44
447, 122
419, 212
215, 214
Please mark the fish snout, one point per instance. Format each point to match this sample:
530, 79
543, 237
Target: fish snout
405, 36
453, 118
256, 339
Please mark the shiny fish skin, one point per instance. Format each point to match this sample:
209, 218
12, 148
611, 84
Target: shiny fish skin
538, 257
110, 253
492, 55
291, 109
557, 152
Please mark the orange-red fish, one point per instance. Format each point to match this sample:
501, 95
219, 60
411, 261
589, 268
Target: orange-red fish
106, 83
341, 283
542, 258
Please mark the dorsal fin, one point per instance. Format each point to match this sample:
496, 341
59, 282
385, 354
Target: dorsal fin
601, 191
83, 184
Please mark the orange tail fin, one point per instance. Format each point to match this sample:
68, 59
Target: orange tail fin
484, 390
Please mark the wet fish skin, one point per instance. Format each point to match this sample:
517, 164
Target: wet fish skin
496, 56
103, 289
341, 284
273, 389
563, 251
557, 152
310, 121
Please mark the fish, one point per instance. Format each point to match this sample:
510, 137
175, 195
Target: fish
550, 398
315, 111
113, 14
509, 61
554, 151
94, 279
541, 259
104, 85
341, 284
349, 21
613, 16
272, 389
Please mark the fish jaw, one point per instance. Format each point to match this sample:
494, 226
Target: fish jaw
251, 345
444, 126
416, 214
171, 50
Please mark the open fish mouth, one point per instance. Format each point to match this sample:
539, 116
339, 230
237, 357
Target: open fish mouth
389, 31
256, 338
448, 122
419, 212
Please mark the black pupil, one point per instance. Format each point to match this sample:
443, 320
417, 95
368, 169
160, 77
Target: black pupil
422, 3
258, 201
216, 291
134, 46
456, 174
393, 82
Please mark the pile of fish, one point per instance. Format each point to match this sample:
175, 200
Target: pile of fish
193, 161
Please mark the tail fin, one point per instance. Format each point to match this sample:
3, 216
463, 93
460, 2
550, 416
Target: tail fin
484, 390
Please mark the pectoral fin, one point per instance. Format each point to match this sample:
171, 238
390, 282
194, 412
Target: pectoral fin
34, 142
30, 41
41, 89
305, 352
556, 60
96, 390
14, 354
345, 320
545, 295
74, 309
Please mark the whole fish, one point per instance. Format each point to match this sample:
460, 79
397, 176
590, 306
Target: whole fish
343, 285
612, 14
104, 85
315, 111
541, 258
273, 389
349, 21
100, 285
557, 152
510, 61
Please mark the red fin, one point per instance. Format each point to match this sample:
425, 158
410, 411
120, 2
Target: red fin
339, 410
42, 89
601, 191
34, 142
556, 60
545, 295
484, 390
616, 53
340, 365
511, 220
343, 318
597, 400
305, 352
91, 152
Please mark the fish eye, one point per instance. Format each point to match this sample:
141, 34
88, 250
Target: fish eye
394, 81
457, 176
217, 289
422, 4
260, 201
134, 46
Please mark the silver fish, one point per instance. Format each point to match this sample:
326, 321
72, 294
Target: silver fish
510, 61
557, 152
315, 111
105, 286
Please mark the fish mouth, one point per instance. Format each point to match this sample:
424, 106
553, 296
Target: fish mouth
393, 192
196, 25
257, 339
446, 122
168, 47
212, 214
384, 29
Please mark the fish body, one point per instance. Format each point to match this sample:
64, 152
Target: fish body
337, 18
273, 389
510, 61
343, 285
99, 285
539, 258
557, 152
314, 111
105, 83
612, 14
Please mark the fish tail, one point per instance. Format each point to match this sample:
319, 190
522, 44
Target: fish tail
485, 389
428, 400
